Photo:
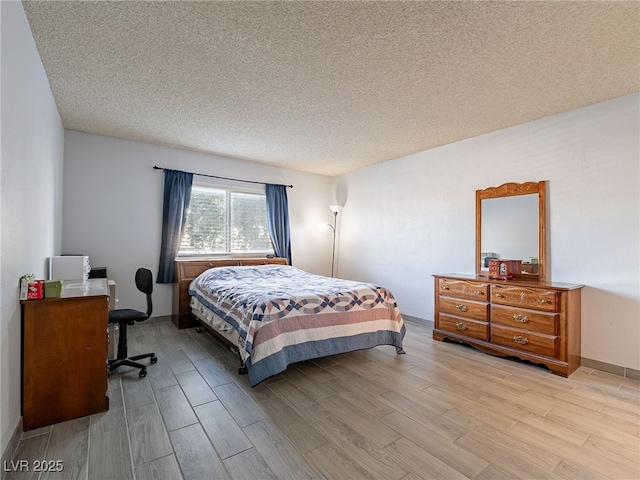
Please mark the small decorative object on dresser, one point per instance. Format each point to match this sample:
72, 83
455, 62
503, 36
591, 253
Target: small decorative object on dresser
504, 269
509, 309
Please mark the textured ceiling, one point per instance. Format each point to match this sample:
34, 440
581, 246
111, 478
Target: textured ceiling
328, 87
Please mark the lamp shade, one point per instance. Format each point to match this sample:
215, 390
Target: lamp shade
335, 208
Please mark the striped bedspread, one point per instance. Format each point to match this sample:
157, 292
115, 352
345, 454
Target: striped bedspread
285, 315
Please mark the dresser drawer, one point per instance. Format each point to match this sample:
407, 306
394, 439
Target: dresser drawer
464, 326
461, 289
524, 340
535, 298
464, 308
521, 318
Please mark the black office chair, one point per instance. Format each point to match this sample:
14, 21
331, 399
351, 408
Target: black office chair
128, 316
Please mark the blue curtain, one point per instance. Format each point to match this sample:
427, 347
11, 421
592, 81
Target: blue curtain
177, 193
278, 220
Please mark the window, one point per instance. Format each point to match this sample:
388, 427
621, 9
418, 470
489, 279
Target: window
226, 219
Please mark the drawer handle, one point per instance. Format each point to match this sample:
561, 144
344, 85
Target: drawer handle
520, 318
544, 301
499, 295
461, 325
444, 287
462, 308
478, 292
520, 339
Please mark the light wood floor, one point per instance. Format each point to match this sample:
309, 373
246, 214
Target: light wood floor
441, 411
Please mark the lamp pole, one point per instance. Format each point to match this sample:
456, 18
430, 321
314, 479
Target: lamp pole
335, 209
323, 227
333, 249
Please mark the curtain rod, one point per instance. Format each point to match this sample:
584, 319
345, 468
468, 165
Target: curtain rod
222, 178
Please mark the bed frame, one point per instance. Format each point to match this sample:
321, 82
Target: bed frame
224, 340
187, 270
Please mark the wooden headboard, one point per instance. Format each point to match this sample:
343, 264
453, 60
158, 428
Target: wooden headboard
187, 270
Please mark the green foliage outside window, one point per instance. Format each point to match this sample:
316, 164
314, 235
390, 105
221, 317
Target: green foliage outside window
225, 221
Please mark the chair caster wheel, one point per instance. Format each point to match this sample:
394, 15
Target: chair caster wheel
143, 372
154, 359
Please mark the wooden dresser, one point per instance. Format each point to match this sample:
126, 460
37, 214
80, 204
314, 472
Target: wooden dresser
529, 320
64, 354
187, 270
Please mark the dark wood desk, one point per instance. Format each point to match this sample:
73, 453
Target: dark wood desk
64, 354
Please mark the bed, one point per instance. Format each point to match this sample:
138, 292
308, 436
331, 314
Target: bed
276, 315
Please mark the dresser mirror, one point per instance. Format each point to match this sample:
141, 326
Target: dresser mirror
511, 225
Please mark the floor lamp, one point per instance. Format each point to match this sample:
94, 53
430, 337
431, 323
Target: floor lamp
335, 209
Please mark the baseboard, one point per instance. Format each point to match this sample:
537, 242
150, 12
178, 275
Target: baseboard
417, 320
159, 319
12, 446
610, 368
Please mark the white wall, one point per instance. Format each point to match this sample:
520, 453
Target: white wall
413, 217
30, 194
113, 207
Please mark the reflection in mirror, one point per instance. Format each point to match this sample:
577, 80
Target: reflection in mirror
510, 229
511, 225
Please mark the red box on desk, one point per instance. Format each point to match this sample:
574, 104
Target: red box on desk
504, 269
35, 290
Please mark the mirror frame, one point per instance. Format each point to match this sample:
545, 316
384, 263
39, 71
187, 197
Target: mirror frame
510, 190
